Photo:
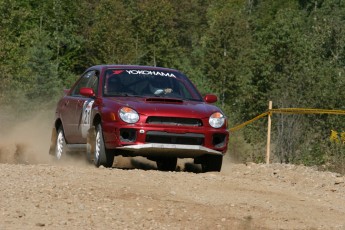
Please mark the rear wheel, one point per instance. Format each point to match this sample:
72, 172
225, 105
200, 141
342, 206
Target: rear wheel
167, 164
60, 147
212, 163
102, 156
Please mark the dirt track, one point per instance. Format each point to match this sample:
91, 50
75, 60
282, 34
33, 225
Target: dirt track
35, 193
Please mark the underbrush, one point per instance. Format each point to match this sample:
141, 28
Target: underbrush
326, 156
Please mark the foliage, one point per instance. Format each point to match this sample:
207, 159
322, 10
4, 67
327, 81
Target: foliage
247, 52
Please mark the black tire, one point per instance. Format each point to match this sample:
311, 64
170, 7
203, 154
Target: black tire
102, 156
167, 164
212, 163
60, 147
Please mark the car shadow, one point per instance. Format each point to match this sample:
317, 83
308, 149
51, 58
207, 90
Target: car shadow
151, 165
130, 163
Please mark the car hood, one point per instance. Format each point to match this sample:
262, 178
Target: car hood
166, 107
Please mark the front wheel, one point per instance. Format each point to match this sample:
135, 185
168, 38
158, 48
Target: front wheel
102, 156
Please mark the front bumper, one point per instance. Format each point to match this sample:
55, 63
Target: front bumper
168, 150
158, 140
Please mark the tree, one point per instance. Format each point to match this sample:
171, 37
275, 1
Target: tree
153, 27
111, 37
227, 44
13, 39
42, 70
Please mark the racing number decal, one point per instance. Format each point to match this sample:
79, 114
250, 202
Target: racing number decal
86, 117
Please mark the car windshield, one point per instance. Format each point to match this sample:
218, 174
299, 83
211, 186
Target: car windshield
149, 83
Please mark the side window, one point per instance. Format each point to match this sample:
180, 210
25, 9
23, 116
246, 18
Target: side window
93, 83
89, 79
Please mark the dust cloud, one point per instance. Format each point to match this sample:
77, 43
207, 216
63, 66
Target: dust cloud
27, 140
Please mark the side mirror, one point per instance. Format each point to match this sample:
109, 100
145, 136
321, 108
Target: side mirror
210, 98
87, 92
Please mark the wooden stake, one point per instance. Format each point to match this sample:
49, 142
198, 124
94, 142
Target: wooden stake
268, 150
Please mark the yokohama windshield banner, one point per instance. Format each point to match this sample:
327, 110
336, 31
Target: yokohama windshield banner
149, 72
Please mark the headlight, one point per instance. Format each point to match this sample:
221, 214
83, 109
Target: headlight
128, 115
216, 120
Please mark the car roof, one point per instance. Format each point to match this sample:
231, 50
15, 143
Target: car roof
116, 66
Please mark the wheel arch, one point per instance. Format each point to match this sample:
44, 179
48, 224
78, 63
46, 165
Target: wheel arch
58, 124
97, 120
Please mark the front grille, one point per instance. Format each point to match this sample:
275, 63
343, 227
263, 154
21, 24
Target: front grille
174, 138
174, 121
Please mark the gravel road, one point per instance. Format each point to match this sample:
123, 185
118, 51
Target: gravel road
36, 193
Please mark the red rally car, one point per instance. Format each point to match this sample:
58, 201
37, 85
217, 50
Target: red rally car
139, 111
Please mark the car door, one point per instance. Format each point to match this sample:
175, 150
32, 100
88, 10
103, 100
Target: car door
71, 111
84, 108
67, 115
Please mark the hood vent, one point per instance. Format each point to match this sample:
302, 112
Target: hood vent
165, 100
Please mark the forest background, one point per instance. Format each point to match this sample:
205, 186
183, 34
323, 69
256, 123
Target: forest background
246, 51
